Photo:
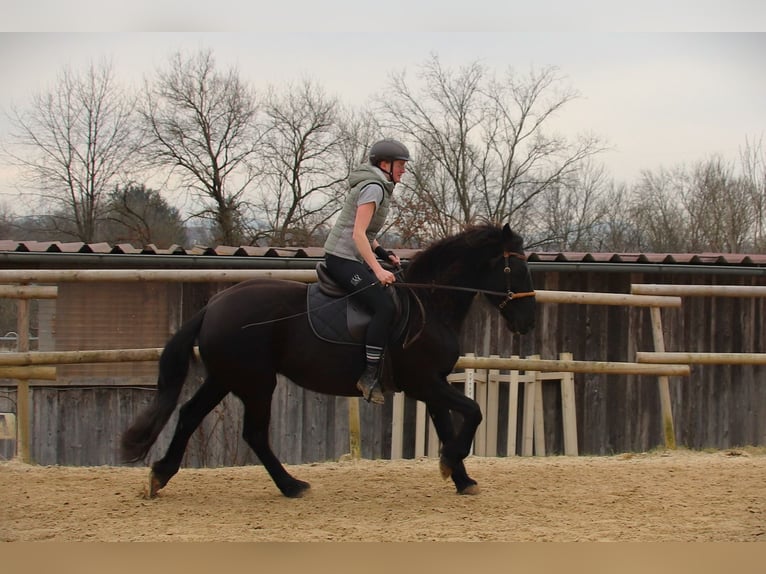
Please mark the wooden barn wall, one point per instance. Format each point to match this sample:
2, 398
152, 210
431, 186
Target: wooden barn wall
717, 407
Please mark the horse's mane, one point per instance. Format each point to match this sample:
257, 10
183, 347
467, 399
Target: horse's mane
465, 249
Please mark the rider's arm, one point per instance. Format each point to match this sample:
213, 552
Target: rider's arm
364, 215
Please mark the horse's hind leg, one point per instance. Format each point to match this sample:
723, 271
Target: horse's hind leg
256, 434
190, 416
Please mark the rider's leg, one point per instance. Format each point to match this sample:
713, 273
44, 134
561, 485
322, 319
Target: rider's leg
359, 280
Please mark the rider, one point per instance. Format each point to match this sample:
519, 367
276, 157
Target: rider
351, 249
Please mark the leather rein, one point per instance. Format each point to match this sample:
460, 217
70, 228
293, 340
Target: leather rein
509, 294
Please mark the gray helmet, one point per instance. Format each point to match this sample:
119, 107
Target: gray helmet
388, 150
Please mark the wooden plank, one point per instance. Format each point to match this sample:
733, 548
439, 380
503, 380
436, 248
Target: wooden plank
24, 374
528, 429
491, 418
470, 390
513, 412
539, 427
668, 427
592, 298
397, 427
354, 428
568, 410
480, 396
657, 357
28, 291
612, 367
73, 357
433, 439
420, 429
648, 289
23, 406
140, 275
7, 426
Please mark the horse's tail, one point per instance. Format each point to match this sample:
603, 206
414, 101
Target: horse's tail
173, 368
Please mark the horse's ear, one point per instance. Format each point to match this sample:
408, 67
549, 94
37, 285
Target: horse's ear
512, 241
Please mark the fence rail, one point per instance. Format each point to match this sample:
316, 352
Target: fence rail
648, 357
572, 366
652, 289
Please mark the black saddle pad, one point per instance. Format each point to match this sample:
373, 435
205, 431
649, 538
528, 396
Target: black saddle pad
342, 320
336, 319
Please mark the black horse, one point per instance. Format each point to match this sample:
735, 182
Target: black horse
253, 330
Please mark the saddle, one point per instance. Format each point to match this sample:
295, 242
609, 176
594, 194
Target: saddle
336, 317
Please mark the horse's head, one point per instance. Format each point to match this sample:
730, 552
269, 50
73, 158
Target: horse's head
482, 258
509, 274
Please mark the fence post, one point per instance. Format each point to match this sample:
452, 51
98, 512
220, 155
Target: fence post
493, 398
397, 427
530, 395
568, 410
354, 428
513, 409
22, 389
668, 428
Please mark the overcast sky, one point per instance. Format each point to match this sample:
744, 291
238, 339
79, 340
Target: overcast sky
663, 83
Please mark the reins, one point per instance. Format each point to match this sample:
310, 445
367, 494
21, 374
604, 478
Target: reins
509, 294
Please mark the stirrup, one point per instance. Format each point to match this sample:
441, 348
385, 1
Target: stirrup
370, 387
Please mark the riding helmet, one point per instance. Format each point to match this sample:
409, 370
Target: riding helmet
388, 150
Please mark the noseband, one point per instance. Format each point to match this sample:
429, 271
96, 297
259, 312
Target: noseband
510, 295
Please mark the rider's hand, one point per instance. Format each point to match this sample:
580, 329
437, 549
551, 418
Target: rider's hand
386, 278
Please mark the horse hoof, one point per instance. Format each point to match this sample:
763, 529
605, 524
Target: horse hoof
154, 486
445, 470
297, 490
471, 489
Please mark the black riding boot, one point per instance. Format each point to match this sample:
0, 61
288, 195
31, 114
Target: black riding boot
370, 386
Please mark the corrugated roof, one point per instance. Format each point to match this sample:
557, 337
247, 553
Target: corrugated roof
738, 259
743, 259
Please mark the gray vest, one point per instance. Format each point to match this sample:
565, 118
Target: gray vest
340, 242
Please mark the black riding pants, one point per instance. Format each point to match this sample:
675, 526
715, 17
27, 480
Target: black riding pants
359, 279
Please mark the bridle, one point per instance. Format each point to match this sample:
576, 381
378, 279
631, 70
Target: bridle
510, 295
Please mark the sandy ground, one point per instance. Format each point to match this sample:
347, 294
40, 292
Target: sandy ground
662, 496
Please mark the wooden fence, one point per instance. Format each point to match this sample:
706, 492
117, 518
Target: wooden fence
25, 365
481, 375
707, 358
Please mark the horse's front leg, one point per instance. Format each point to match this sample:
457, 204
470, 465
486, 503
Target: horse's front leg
455, 447
444, 428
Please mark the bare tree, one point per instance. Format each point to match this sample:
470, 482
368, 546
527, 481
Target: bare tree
753, 162
616, 230
304, 165
482, 152
138, 215
7, 222
657, 211
74, 143
719, 208
202, 124
442, 119
571, 215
